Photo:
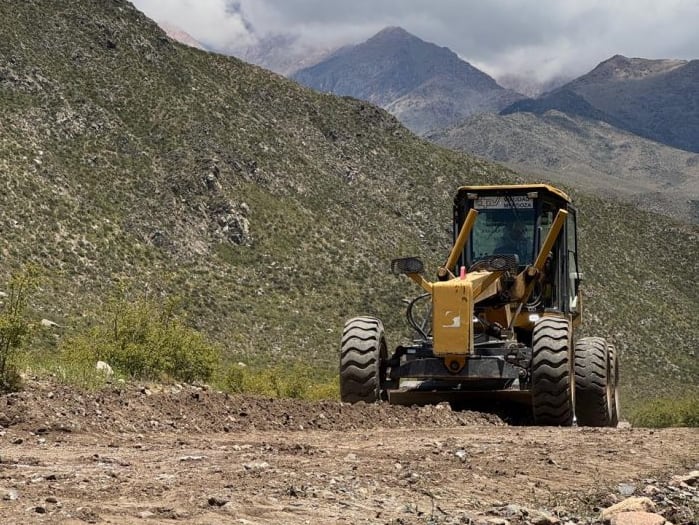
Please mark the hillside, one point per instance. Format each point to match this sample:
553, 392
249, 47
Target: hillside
656, 99
585, 154
425, 86
129, 160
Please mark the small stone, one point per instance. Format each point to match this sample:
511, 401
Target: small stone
512, 510
651, 490
17, 441
461, 454
40, 510
10, 495
626, 489
191, 458
216, 501
539, 517
691, 479
256, 465
145, 514
51, 499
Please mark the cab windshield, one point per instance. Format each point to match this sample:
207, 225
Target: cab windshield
505, 225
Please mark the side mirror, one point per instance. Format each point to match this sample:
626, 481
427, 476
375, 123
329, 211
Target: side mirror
406, 265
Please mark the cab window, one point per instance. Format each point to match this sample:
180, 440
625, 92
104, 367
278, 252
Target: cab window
505, 225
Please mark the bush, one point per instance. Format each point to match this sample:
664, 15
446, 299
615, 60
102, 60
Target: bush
668, 412
296, 381
144, 340
14, 327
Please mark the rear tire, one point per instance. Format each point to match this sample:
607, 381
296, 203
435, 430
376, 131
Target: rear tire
595, 383
551, 373
363, 357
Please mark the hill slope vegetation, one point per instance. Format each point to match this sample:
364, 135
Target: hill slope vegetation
131, 161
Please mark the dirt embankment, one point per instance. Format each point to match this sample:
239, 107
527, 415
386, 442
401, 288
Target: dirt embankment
169, 454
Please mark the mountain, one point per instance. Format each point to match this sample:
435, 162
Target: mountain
587, 154
179, 34
656, 99
282, 53
425, 86
131, 164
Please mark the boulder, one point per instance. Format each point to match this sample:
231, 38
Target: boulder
638, 518
634, 504
104, 368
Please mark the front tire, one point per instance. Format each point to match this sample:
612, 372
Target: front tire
595, 383
614, 375
363, 357
551, 371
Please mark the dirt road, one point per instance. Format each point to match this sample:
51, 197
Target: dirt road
188, 455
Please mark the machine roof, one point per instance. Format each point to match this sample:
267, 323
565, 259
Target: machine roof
514, 188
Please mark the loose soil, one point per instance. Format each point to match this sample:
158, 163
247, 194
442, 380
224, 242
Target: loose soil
169, 454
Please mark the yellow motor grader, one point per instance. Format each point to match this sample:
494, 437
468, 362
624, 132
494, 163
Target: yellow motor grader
499, 320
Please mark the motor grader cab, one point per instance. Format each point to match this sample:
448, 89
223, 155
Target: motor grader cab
498, 321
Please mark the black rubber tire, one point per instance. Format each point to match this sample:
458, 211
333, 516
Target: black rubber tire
551, 373
363, 357
614, 375
595, 387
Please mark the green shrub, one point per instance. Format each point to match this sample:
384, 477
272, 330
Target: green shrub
234, 380
668, 412
75, 363
330, 389
14, 327
145, 340
296, 381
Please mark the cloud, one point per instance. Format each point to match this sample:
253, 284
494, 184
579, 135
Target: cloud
543, 39
218, 24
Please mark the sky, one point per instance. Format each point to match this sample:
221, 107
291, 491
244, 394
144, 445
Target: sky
538, 39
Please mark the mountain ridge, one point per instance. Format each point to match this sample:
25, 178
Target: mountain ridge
588, 154
656, 99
